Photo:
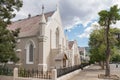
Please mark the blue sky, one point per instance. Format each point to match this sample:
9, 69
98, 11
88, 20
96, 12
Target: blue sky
78, 16
73, 35
77, 32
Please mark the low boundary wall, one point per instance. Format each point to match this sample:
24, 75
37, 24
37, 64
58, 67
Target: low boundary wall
54, 75
20, 78
70, 75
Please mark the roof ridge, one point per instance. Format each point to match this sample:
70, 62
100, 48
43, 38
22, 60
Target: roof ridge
33, 16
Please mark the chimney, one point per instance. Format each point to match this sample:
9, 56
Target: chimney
29, 15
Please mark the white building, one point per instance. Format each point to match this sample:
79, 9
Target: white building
42, 43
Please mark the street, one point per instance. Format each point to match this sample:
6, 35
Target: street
91, 73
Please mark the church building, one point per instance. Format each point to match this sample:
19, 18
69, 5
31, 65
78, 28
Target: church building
42, 43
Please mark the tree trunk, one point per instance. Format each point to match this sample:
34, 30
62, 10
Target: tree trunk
102, 64
107, 72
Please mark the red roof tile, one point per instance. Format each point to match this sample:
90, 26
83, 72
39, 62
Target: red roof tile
29, 26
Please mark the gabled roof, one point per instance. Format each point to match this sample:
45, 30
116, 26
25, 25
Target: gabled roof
29, 26
70, 44
81, 49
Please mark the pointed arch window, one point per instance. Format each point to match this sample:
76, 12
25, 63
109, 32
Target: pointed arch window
30, 52
57, 38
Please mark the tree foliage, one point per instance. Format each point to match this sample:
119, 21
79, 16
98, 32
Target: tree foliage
116, 56
97, 44
7, 37
107, 18
7, 7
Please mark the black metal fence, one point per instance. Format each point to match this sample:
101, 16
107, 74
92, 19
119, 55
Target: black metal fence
6, 71
63, 71
34, 74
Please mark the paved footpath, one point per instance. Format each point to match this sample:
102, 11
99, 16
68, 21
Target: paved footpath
91, 73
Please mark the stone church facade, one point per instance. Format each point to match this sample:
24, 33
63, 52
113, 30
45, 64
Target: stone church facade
42, 44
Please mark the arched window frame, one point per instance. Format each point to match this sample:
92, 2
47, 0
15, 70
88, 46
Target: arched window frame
57, 37
29, 44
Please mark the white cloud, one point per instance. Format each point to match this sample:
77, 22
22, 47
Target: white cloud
94, 26
76, 21
86, 33
88, 30
117, 25
84, 10
33, 7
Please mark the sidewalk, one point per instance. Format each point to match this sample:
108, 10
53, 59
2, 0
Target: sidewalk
91, 73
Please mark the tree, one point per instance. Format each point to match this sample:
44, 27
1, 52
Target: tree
106, 19
7, 37
98, 46
116, 56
